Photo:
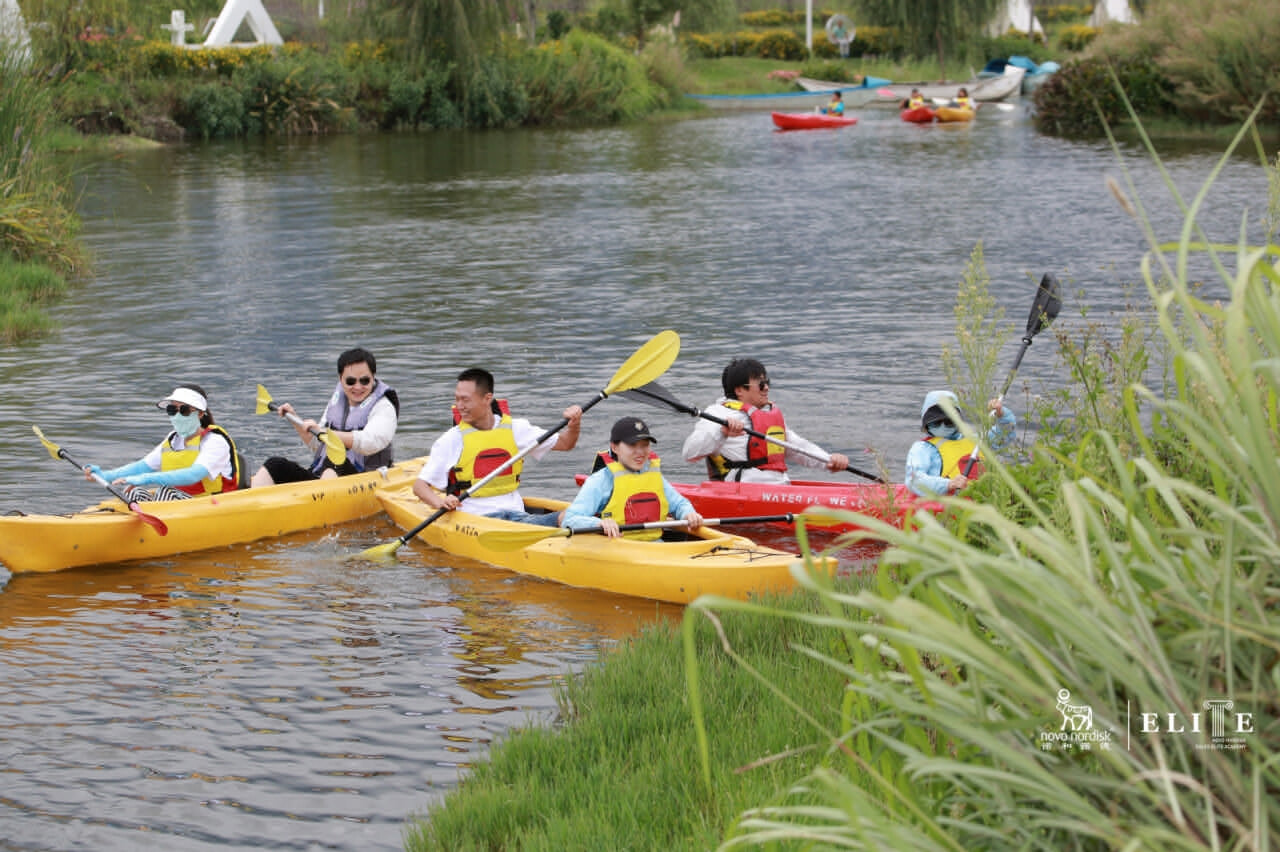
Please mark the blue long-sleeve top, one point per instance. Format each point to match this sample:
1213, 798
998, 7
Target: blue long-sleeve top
583, 512
924, 461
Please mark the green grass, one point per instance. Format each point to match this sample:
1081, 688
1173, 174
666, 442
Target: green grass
620, 771
25, 289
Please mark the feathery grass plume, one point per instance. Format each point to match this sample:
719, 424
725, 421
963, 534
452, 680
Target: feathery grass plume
981, 332
1102, 673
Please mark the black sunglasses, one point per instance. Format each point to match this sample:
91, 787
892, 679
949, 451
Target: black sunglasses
184, 410
945, 423
364, 380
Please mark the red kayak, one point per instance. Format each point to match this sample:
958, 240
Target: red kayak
891, 503
810, 120
918, 115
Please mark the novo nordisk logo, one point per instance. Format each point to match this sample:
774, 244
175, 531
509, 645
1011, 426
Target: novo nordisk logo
1226, 729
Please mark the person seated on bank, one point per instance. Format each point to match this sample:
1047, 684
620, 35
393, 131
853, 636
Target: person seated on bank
836, 106
482, 441
198, 457
363, 412
732, 454
962, 99
936, 464
628, 489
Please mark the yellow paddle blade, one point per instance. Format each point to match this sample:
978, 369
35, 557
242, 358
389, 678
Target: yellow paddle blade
505, 540
647, 364
264, 401
48, 445
381, 552
333, 447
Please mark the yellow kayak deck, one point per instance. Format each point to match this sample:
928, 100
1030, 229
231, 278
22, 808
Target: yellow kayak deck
709, 562
109, 532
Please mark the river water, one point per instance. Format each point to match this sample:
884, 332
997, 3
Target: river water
276, 696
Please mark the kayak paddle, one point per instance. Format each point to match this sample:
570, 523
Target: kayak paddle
1043, 311
333, 446
59, 453
505, 540
645, 364
654, 394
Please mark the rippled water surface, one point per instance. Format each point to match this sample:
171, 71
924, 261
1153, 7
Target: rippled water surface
276, 696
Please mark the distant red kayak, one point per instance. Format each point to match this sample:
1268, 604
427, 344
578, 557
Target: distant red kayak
918, 115
810, 120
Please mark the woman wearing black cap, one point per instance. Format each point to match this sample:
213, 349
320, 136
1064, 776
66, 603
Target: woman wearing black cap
628, 490
196, 458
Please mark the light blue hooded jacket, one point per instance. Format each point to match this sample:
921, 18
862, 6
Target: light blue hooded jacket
924, 461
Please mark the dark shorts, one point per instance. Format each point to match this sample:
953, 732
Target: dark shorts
284, 470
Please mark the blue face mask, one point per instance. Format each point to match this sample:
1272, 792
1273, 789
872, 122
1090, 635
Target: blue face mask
942, 430
185, 425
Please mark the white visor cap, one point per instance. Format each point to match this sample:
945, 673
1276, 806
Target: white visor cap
185, 395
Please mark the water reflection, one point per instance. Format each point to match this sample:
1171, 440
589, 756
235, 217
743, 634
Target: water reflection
205, 698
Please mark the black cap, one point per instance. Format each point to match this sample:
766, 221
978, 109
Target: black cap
629, 430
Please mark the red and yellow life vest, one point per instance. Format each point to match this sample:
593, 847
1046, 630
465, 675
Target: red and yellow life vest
483, 452
760, 453
955, 454
637, 498
171, 459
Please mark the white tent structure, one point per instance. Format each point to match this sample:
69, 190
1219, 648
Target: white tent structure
15, 39
1016, 15
1112, 11
237, 12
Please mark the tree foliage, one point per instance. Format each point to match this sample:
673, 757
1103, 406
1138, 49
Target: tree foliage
931, 26
441, 32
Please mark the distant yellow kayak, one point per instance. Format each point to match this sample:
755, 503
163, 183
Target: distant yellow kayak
109, 532
709, 562
950, 113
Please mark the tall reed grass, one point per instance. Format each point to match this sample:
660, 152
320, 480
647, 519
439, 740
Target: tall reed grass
37, 223
1102, 669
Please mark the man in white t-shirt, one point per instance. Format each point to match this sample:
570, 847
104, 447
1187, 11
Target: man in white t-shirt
483, 440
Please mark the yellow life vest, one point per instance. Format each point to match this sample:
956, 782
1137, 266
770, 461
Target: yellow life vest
637, 498
484, 451
917, 101
172, 459
964, 102
955, 454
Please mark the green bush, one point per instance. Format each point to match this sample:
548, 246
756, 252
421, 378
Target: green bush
780, 44
214, 110
583, 79
1077, 37
1082, 97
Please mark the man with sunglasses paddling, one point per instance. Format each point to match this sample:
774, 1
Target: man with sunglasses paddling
195, 459
733, 455
363, 413
936, 463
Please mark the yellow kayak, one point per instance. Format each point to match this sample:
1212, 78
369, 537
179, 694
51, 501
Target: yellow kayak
949, 113
109, 532
709, 562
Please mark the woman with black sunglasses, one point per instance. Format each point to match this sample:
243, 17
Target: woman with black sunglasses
363, 412
196, 458
937, 463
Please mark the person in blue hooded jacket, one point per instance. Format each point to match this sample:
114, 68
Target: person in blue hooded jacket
936, 464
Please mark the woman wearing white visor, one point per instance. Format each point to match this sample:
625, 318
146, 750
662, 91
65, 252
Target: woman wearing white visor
195, 459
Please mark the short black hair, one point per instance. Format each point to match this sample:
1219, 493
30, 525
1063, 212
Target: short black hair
739, 373
357, 356
482, 378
